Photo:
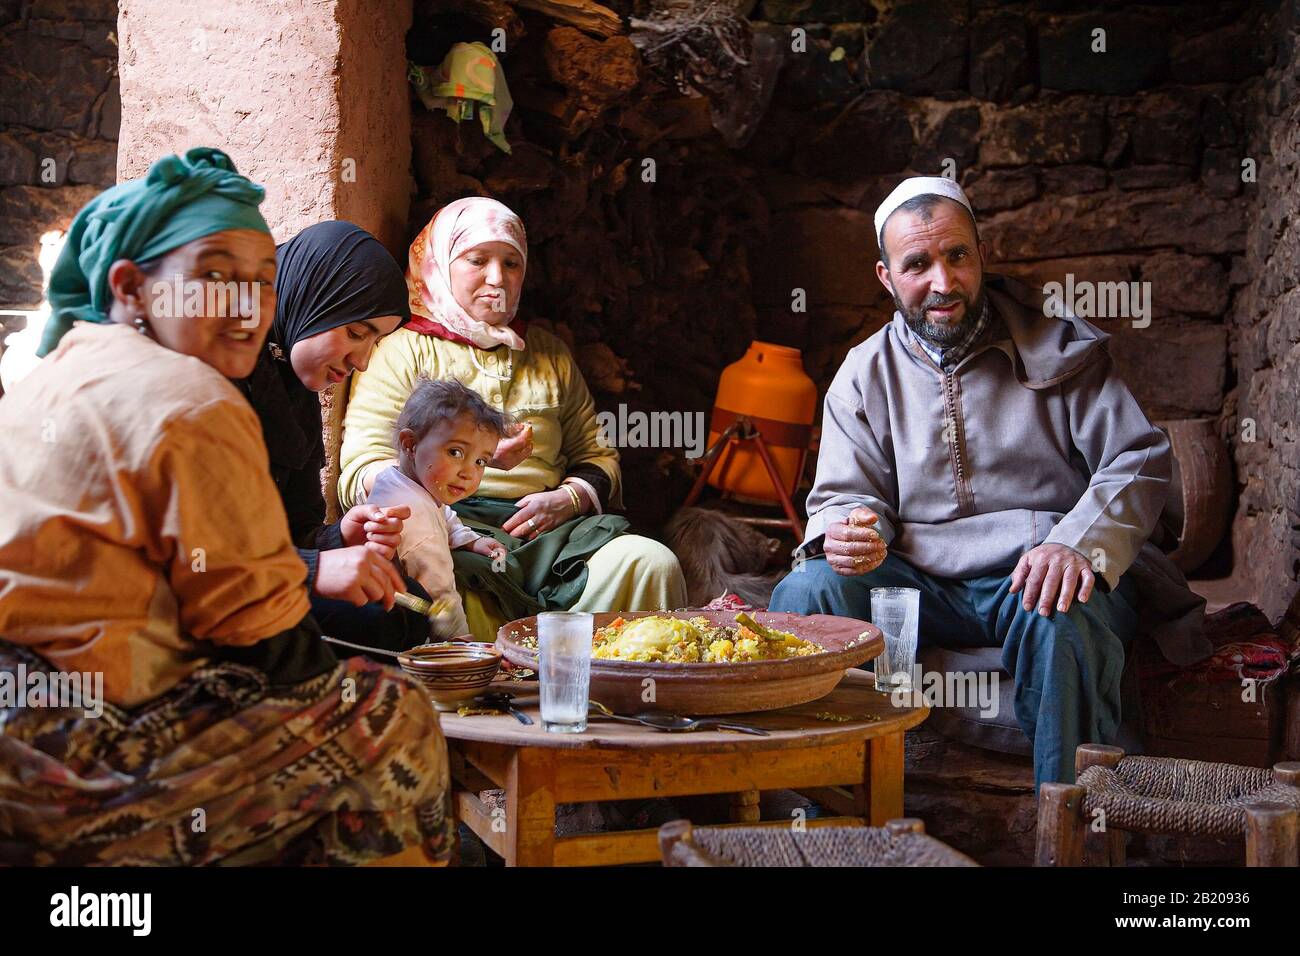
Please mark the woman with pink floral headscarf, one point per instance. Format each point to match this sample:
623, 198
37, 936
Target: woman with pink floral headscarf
552, 490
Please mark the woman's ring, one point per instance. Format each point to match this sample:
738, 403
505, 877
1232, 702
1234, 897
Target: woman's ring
532, 524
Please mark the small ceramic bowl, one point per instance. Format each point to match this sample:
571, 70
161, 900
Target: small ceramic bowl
452, 673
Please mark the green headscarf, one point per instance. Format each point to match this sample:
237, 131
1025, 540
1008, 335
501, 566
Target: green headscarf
180, 200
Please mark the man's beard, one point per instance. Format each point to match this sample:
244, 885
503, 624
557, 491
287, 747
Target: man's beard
941, 336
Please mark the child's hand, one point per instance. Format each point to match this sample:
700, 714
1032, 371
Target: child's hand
381, 528
488, 547
514, 448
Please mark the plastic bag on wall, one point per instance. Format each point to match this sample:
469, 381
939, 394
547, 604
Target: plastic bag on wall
469, 79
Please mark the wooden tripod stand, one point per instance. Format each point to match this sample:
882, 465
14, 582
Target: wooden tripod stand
743, 429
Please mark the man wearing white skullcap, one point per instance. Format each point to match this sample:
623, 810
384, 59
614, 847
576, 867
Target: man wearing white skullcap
943, 328
981, 449
915, 187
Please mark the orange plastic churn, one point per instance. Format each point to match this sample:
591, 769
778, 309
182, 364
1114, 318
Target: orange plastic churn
770, 387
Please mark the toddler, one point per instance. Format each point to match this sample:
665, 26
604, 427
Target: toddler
446, 434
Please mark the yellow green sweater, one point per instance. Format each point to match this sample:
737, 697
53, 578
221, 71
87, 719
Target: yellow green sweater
545, 389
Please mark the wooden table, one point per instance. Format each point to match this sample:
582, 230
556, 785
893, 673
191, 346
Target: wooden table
853, 768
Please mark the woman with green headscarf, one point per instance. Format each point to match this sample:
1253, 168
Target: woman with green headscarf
147, 572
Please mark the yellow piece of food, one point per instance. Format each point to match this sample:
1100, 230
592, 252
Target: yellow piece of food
645, 639
657, 638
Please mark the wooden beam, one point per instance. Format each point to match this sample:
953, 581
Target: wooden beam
1272, 835
1061, 828
1096, 755
881, 796
471, 811
530, 808
583, 14
595, 774
744, 807
466, 774
493, 760
1112, 843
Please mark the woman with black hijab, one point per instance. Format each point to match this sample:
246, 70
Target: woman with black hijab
338, 292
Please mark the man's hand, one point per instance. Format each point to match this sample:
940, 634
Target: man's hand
853, 546
379, 527
514, 448
1052, 574
358, 575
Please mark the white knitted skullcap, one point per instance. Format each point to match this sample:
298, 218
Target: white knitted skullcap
918, 186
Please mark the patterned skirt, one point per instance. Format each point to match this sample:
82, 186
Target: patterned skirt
344, 768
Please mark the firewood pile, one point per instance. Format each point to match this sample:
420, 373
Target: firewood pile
639, 216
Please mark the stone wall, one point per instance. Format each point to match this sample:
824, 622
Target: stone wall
1266, 343
59, 116
1122, 165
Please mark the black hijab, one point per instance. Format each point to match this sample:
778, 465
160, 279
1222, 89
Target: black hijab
332, 274
328, 275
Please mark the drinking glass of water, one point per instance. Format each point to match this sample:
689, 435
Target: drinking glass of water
896, 612
564, 638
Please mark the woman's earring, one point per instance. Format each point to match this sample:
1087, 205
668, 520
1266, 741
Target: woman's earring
141, 324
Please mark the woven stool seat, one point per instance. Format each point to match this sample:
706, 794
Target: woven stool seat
1168, 795
1114, 794
815, 846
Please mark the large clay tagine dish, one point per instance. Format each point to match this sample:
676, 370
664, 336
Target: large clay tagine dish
695, 689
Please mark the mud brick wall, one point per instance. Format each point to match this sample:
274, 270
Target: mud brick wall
1265, 327
59, 117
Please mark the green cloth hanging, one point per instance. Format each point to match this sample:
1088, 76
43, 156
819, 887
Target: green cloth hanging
470, 77
547, 573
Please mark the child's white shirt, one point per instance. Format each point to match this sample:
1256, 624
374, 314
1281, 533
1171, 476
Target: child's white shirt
427, 537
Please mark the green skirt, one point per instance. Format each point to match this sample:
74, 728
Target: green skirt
547, 573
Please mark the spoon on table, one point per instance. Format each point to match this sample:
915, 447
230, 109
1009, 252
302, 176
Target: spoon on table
675, 722
606, 712
672, 722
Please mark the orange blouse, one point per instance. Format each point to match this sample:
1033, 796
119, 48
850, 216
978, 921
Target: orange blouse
137, 515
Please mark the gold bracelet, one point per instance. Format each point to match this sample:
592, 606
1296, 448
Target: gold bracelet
573, 495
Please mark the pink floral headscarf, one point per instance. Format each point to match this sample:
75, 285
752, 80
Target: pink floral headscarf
458, 227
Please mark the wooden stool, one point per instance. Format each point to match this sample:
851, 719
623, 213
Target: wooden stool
1173, 796
900, 842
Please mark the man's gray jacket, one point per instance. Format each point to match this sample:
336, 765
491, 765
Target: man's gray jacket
1032, 437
